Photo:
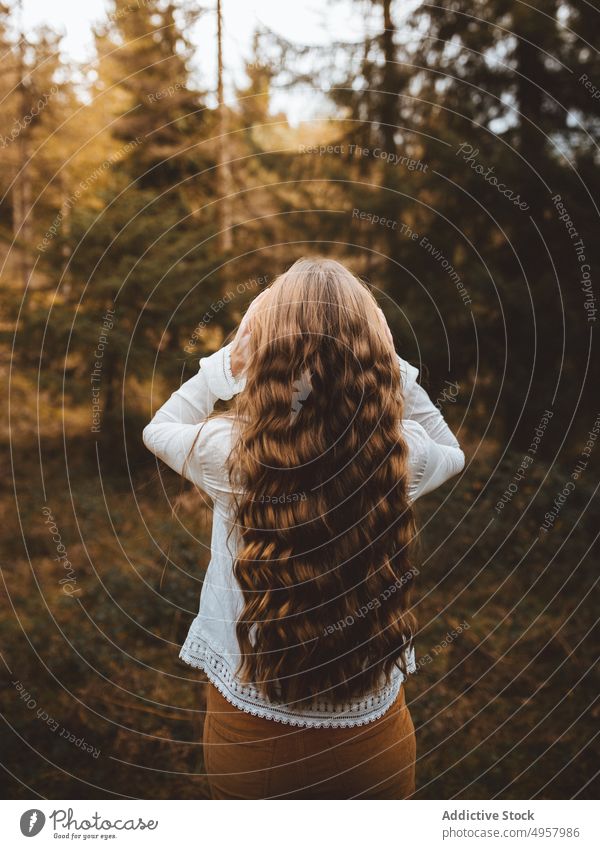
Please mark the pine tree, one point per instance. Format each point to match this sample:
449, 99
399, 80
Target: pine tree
505, 83
140, 236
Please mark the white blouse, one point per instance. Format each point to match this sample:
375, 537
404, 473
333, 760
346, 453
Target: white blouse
211, 644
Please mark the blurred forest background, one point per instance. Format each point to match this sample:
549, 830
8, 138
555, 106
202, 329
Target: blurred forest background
139, 214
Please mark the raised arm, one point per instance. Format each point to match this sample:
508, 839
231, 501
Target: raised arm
419, 407
436, 455
173, 430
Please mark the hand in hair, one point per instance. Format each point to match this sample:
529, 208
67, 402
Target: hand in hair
239, 347
386, 327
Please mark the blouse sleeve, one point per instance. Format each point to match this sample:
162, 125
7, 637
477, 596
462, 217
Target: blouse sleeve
434, 452
175, 428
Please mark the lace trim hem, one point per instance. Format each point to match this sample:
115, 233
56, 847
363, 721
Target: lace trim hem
199, 654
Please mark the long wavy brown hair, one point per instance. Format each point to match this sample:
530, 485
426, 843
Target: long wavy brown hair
323, 514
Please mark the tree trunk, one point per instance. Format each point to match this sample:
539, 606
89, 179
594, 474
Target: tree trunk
224, 182
21, 192
389, 111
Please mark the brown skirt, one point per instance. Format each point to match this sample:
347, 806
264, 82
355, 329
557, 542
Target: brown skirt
248, 757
